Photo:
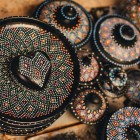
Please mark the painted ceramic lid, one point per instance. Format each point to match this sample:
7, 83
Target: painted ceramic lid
39, 74
114, 82
69, 17
134, 90
124, 124
118, 40
90, 67
90, 105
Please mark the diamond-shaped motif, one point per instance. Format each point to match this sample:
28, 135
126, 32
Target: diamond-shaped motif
36, 68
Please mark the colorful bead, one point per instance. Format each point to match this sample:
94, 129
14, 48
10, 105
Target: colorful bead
25, 110
65, 16
121, 121
115, 82
36, 69
89, 106
77, 29
118, 77
120, 49
131, 9
90, 71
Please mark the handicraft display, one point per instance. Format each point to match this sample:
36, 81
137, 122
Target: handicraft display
90, 105
69, 17
40, 73
118, 40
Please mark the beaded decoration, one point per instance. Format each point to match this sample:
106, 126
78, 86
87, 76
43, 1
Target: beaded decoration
92, 113
117, 40
90, 67
134, 90
68, 17
131, 9
115, 82
118, 77
121, 121
135, 133
36, 68
77, 28
23, 108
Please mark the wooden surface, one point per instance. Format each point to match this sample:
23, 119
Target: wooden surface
67, 121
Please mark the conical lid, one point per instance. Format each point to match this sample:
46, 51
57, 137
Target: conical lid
69, 17
118, 40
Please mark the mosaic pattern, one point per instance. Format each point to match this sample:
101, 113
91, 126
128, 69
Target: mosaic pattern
36, 68
83, 112
134, 90
121, 121
88, 73
118, 76
116, 52
81, 31
18, 103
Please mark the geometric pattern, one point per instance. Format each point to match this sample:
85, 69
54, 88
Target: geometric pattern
16, 100
111, 47
121, 121
35, 68
89, 73
118, 76
83, 112
115, 82
75, 35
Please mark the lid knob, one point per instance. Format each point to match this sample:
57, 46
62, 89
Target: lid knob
126, 32
69, 12
86, 60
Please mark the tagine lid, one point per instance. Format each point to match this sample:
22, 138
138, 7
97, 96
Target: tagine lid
36, 54
115, 81
90, 106
91, 67
118, 40
69, 17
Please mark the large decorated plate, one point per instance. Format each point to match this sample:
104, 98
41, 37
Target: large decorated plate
39, 74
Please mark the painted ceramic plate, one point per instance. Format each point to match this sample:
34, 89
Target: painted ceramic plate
69, 17
39, 73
